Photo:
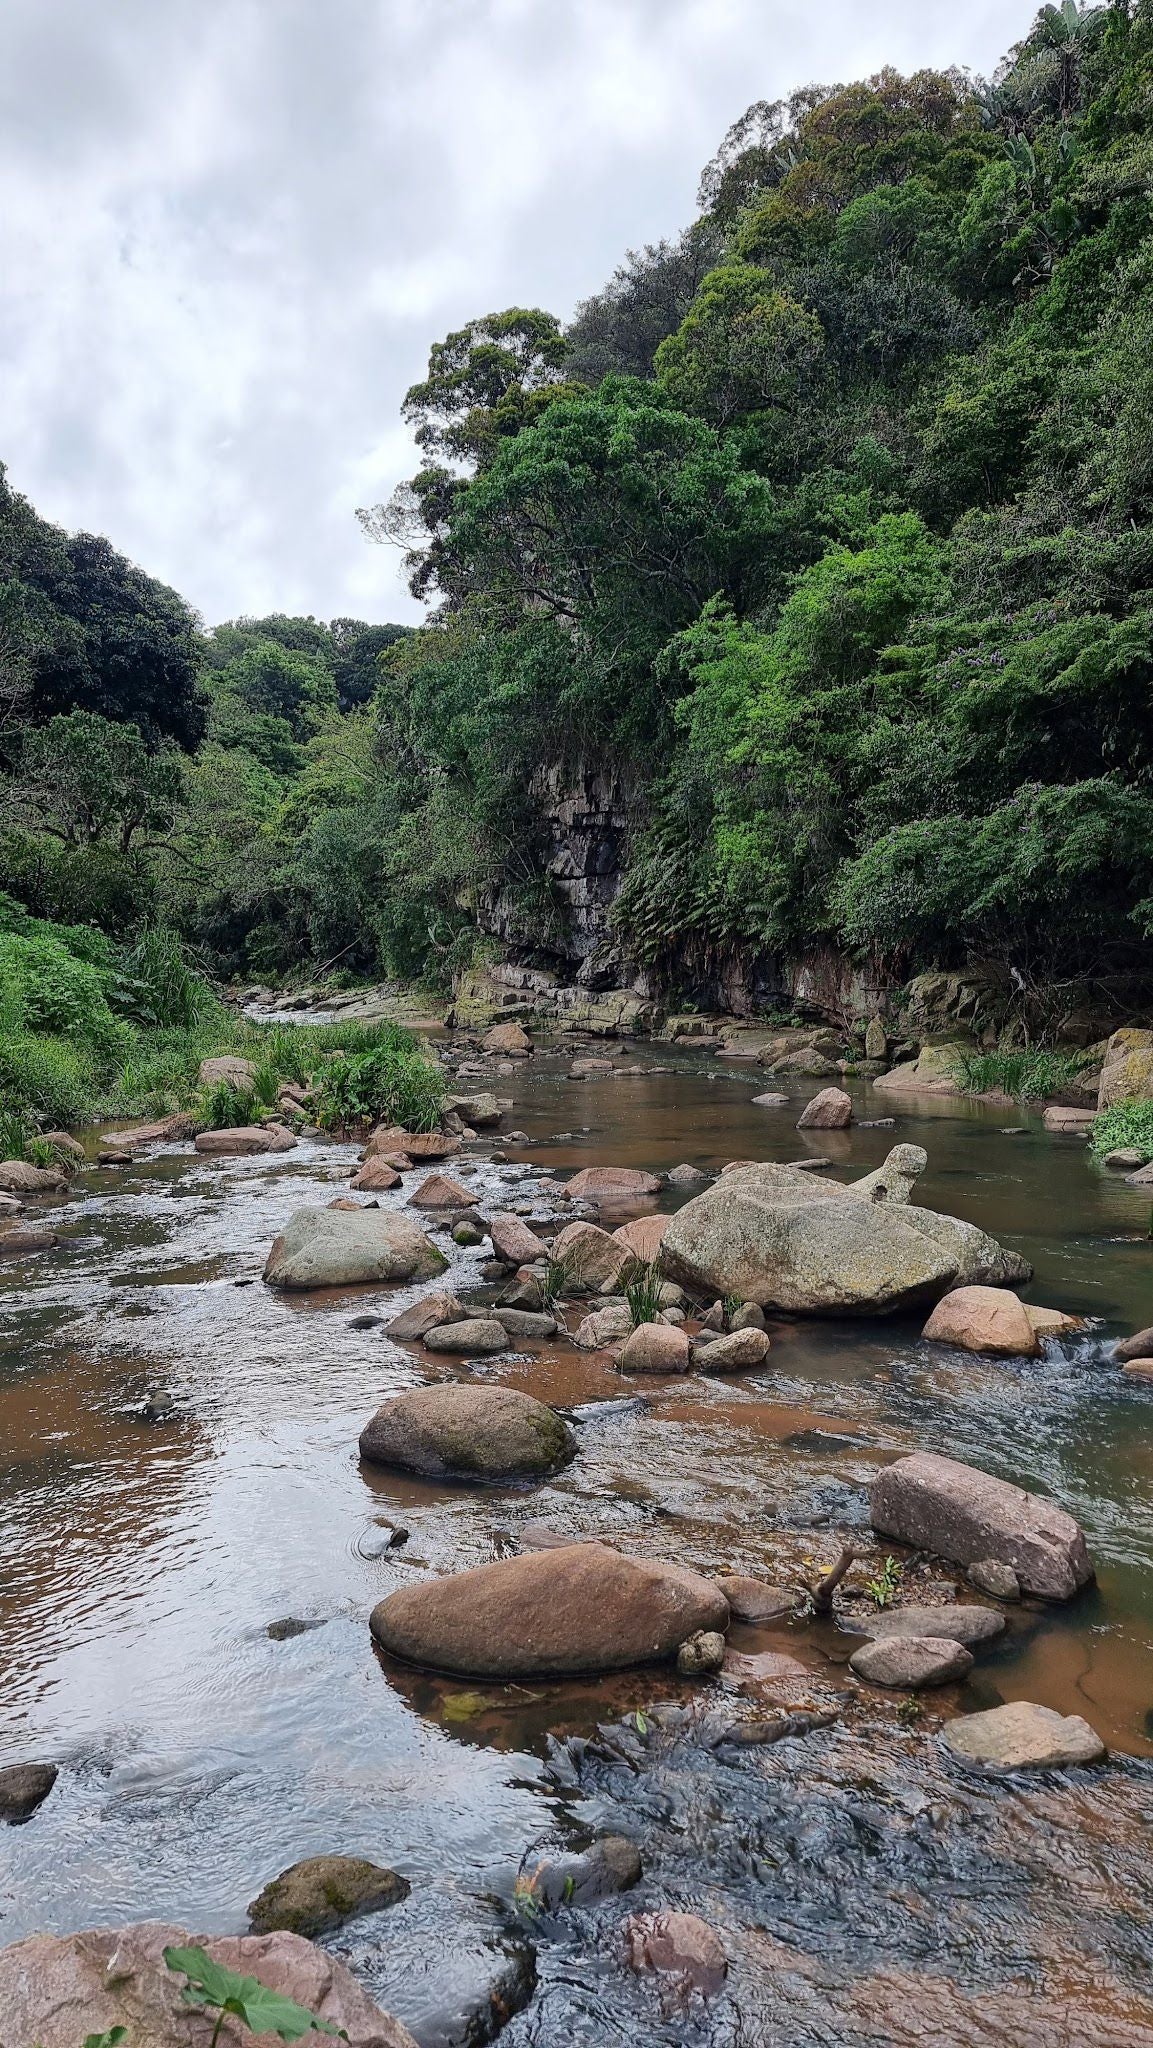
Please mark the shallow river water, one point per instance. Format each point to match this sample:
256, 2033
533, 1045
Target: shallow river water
866, 1890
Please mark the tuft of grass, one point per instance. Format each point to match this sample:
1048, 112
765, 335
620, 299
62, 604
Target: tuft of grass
642, 1285
1027, 1076
1125, 1123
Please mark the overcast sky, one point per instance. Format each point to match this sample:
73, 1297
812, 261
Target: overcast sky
231, 228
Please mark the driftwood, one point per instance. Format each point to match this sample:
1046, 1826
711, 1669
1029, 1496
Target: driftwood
821, 1592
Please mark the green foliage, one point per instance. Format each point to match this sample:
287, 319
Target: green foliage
642, 1282
1029, 1076
393, 1083
883, 1590
1128, 1124
214, 1988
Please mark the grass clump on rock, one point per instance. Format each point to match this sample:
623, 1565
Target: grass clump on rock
1027, 1076
1125, 1125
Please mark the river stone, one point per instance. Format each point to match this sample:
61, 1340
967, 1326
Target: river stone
831, 1110
426, 1314
989, 1575
245, 1141
876, 1040
18, 1244
513, 1241
938, 1504
755, 1600
895, 1179
376, 1177
701, 1653
17, 1177
440, 1192
588, 1070
984, 1319
525, 1322
908, 1662
468, 1432
227, 1070
1023, 1737
954, 1624
736, 1353
55, 1990
610, 1184
677, 1944
807, 1061
1140, 1345
1125, 1158
510, 1039
1051, 1322
655, 1347
178, 1127
770, 1101
772, 1235
24, 1787
481, 1111
350, 1248
1143, 1179
322, 1892
936, 1070
478, 1334
643, 1238
683, 1176
1128, 1067
1072, 1123
591, 1255
609, 1865
585, 1608
747, 1317
605, 1326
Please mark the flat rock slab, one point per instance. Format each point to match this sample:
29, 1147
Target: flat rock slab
1023, 1737
468, 1432
611, 1184
350, 1248
940, 1505
908, 1662
322, 1892
755, 1600
960, 1624
678, 1945
480, 1334
245, 1141
56, 1990
584, 1608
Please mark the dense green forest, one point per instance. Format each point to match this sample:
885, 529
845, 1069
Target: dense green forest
826, 525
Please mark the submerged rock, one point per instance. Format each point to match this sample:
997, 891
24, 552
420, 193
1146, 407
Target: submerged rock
1023, 1737
961, 1513
322, 1892
755, 1600
680, 1945
468, 1432
609, 1865
772, 1235
55, 1990
350, 1248
584, 1608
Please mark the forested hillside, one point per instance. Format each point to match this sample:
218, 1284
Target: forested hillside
821, 535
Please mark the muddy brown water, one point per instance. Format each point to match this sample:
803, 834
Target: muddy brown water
866, 1890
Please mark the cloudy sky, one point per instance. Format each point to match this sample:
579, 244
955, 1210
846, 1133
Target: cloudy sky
230, 229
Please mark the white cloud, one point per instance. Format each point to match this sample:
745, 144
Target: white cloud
231, 228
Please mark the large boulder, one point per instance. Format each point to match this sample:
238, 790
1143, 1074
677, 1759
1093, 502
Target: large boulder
937, 1070
322, 1892
1023, 1737
227, 1070
610, 1184
774, 1235
592, 1257
510, 1039
513, 1241
960, 1513
468, 1432
350, 1248
57, 1989
655, 1347
18, 1177
245, 1141
1128, 1068
582, 1608
831, 1110
985, 1319
643, 1237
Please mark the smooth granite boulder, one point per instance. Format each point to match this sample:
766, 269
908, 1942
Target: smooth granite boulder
468, 1432
350, 1248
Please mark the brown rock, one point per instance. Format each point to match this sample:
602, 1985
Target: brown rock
480, 1334
468, 1432
17, 1177
679, 1945
990, 1576
245, 1140
1051, 1322
390, 1138
683, 1176
955, 1624
1023, 1737
510, 1039
755, 1600
55, 1990
605, 1326
589, 1070
375, 1177
984, 1319
426, 1314
513, 1241
831, 1110
655, 1347
228, 1070
178, 1128
585, 1608
439, 1192
908, 1662
591, 1255
643, 1237
68, 1147
19, 1244
1140, 1345
1073, 1123
322, 1892
24, 1787
611, 1184
961, 1513
735, 1353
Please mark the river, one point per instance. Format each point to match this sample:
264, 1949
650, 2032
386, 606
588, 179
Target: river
866, 1891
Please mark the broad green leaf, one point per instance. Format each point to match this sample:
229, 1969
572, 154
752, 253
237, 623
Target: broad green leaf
263, 2011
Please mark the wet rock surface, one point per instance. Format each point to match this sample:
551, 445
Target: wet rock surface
967, 1515
1022, 1736
350, 1248
322, 1892
24, 1787
468, 1432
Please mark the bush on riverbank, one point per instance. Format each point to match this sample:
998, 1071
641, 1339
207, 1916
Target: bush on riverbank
1027, 1076
1127, 1125
391, 1083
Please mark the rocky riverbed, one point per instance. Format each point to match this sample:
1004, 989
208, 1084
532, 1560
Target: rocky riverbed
193, 1547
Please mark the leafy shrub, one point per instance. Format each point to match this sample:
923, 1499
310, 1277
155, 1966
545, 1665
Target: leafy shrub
394, 1083
47, 1080
49, 988
1128, 1124
1029, 1076
223, 1108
